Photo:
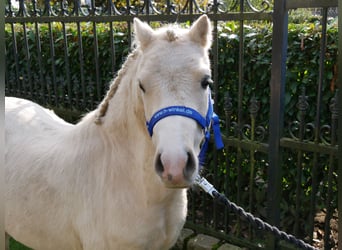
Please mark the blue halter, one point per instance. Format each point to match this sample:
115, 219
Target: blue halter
211, 119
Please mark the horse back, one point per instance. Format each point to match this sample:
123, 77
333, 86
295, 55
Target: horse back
26, 114
31, 134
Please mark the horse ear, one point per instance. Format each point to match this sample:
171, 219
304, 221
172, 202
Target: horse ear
200, 31
143, 33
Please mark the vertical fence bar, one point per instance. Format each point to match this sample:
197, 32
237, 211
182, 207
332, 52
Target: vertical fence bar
228, 108
215, 69
277, 86
97, 70
97, 67
302, 107
339, 132
239, 113
7, 82
112, 46
213, 213
314, 170
81, 60
68, 99
321, 70
16, 59
253, 111
27, 89
129, 28
3, 72
91, 87
40, 64
66, 92
319, 96
53, 66
329, 209
314, 186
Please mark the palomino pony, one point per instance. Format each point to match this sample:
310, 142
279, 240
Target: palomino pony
110, 181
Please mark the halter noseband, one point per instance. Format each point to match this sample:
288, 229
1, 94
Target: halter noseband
211, 119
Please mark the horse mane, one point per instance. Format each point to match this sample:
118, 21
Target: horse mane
114, 87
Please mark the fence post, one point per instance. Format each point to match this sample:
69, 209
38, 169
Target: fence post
339, 107
277, 85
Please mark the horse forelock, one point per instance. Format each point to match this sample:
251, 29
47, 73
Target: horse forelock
171, 35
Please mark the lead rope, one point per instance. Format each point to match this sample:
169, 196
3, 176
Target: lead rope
210, 189
256, 222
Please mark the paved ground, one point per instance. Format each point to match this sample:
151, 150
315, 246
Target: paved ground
188, 240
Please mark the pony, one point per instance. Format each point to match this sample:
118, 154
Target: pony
118, 178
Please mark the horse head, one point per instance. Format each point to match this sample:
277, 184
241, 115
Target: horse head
172, 78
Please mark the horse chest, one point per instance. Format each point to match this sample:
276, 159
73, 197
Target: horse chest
161, 224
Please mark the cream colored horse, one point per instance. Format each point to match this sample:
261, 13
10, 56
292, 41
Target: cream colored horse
105, 183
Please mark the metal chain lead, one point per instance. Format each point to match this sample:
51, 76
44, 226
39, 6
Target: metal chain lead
254, 221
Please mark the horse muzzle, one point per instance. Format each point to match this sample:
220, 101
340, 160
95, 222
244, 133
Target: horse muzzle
176, 169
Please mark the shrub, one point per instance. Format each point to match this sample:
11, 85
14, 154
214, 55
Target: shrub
65, 74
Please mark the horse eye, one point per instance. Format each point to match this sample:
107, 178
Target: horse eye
141, 87
206, 81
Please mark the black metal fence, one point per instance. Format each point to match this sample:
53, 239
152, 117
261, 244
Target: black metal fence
283, 169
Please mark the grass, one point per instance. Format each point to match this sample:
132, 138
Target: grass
15, 245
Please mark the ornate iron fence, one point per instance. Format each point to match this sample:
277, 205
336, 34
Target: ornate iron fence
283, 169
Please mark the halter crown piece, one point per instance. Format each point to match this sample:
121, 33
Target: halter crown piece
210, 120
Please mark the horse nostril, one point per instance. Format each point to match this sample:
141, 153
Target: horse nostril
190, 166
176, 169
159, 165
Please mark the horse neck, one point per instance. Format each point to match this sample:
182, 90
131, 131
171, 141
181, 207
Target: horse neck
124, 108
119, 119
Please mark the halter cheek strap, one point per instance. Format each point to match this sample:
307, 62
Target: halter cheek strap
211, 119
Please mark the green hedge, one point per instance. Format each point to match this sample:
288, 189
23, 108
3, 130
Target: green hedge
302, 62
302, 67
82, 96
